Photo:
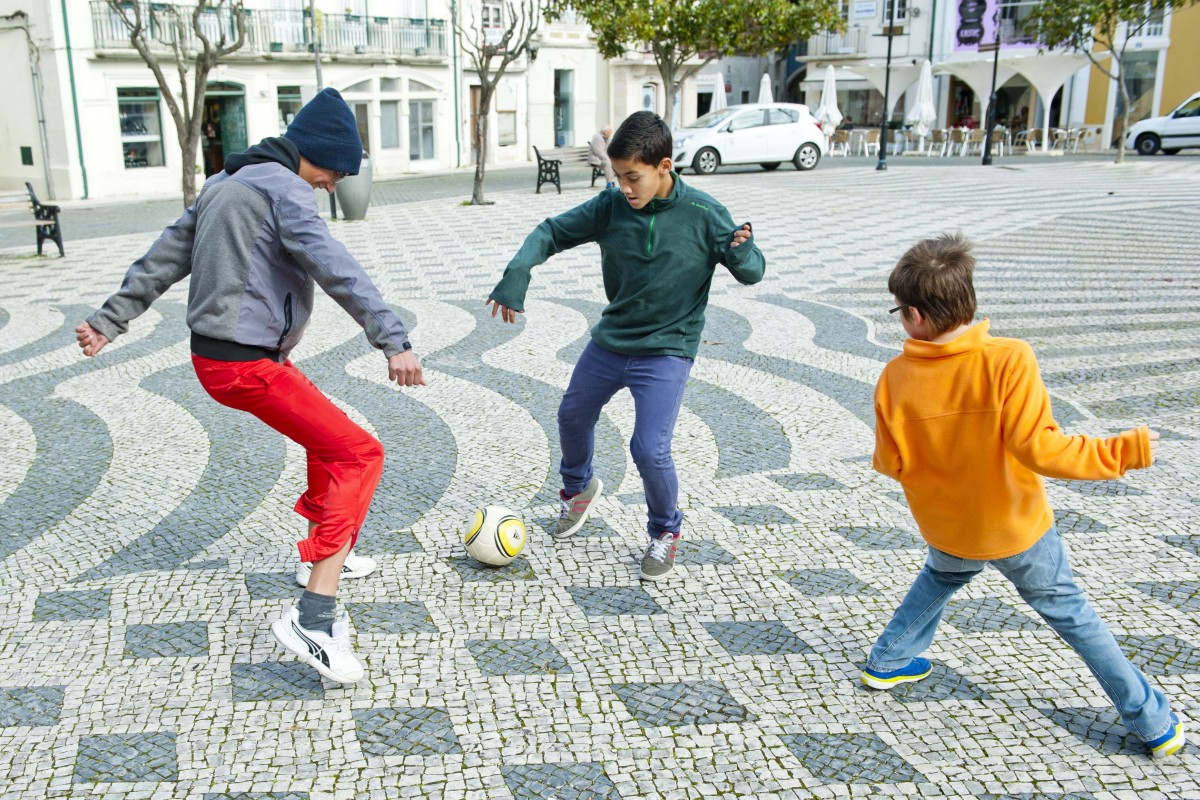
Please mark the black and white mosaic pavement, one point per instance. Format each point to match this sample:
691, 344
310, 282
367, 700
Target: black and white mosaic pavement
147, 537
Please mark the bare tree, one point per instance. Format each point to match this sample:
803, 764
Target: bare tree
507, 42
179, 35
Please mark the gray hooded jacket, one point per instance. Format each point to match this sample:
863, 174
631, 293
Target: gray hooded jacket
254, 245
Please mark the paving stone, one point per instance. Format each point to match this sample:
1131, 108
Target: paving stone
765, 637
26, 706
167, 640
684, 703
851, 758
471, 570
83, 604
563, 781
605, 600
273, 680
126, 758
406, 731
391, 617
517, 657
822, 582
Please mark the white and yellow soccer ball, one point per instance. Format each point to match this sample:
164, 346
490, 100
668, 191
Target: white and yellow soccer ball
495, 536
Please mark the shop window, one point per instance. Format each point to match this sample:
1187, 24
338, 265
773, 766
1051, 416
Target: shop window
420, 130
141, 128
289, 105
389, 124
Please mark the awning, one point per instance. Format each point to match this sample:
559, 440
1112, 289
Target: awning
903, 75
1046, 73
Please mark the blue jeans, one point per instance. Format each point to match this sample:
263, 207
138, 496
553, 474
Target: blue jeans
1042, 577
657, 384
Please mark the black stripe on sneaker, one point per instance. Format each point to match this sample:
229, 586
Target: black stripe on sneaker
313, 648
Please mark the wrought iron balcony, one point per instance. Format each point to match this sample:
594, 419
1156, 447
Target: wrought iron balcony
269, 31
851, 44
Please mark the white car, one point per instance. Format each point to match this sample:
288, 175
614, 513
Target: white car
1179, 129
766, 134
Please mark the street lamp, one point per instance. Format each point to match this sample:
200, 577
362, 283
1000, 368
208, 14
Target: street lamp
889, 31
991, 112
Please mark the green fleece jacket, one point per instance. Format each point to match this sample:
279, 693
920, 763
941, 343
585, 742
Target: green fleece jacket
657, 261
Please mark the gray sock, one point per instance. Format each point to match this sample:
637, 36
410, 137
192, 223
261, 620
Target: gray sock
317, 611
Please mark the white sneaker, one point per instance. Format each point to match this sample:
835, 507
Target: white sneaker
355, 567
332, 656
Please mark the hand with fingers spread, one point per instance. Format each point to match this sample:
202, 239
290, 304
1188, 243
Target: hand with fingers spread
91, 341
405, 369
506, 313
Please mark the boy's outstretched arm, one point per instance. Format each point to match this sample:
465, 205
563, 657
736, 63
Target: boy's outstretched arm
578, 226
1035, 439
168, 261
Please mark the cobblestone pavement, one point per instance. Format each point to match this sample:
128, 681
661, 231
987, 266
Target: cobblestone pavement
148, 539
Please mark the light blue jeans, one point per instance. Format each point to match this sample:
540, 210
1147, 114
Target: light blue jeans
1042, 577
657, 384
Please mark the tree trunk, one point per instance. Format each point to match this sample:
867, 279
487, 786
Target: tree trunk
1124, 114
485, 103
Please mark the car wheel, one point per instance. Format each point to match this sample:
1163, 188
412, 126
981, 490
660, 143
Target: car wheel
706, 161
806, 156
1171, 150
1147, 144
770, 165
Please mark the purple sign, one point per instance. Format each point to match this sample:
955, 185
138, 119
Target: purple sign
977, 21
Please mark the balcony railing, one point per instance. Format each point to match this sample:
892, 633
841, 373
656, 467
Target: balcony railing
278, 31
850, 44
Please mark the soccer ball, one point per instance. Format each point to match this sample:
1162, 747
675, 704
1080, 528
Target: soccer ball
495, 536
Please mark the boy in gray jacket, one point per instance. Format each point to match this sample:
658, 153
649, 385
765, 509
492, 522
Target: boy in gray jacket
255, 246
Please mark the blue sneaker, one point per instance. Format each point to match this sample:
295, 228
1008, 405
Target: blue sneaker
1170, 742
917, 669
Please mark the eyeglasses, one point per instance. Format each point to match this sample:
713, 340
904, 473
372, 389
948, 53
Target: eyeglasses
338, 176
894, 310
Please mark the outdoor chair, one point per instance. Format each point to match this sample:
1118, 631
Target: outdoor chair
871, 142
937, 142
840, 143
974, 142
958, 141
1033, 139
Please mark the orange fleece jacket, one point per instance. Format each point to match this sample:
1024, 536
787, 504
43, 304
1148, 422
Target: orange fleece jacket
966, 428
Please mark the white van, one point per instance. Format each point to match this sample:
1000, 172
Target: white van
1179, 129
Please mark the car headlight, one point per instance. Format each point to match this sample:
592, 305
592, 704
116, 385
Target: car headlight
682, 140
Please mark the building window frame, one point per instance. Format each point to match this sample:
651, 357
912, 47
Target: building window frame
139, 113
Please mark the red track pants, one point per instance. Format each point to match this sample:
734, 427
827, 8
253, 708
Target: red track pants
344, 461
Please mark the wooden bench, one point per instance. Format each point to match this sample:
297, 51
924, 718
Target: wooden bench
548, 165
45, 218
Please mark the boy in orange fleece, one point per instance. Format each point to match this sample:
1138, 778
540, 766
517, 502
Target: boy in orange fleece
963, 421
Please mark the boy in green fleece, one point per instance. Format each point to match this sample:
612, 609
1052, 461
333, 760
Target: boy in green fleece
660, 241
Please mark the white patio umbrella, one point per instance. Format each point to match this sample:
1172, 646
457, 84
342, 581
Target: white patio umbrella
923, 113
765, 95
827, 112
718, 98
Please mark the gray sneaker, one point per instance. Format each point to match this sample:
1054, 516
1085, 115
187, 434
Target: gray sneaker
575, 510
659, 560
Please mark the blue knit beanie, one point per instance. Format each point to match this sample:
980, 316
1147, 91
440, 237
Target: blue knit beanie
325, 133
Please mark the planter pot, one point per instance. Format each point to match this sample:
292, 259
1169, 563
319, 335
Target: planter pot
354, 192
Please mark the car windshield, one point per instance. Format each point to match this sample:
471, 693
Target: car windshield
710, 120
